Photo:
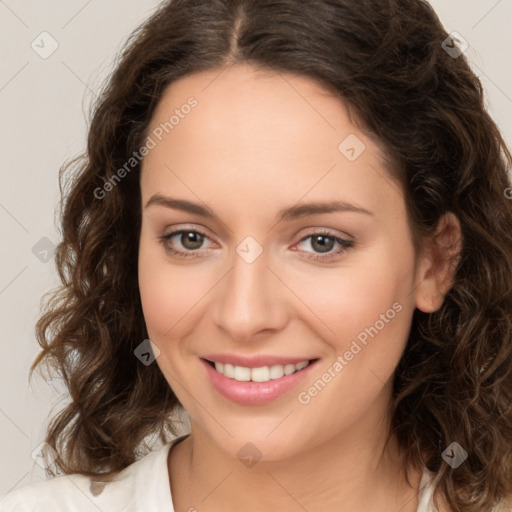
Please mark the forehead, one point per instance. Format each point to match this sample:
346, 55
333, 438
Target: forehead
262, 134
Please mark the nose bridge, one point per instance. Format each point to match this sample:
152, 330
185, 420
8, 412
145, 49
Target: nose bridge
249, 300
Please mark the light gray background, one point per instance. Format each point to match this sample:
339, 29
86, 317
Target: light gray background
44, 106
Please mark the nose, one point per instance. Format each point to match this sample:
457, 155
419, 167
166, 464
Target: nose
250, 300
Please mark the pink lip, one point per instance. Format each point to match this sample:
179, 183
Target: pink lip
254, 361
255, 393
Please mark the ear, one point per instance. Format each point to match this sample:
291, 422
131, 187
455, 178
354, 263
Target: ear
437, 265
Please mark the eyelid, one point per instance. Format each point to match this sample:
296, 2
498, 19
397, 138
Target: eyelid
345, 245
189, 227
318, 230
315, 230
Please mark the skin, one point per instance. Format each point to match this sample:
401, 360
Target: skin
256, 143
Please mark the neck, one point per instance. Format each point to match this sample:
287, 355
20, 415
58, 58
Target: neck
356, 471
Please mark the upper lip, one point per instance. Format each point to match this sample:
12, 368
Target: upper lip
254, 361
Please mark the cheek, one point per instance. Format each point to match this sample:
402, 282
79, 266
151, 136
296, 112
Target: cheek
172, 295
161, 295
368, 311
366, 307
351, 299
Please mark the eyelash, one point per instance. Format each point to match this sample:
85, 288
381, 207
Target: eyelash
345, 245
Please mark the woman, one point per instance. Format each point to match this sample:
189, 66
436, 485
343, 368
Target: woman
292, 221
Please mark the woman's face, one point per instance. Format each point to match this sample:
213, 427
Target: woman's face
263, 277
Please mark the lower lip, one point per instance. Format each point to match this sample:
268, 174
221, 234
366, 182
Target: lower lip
255, 393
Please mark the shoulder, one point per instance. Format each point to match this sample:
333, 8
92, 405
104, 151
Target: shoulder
143, 481
67, 492
430, 498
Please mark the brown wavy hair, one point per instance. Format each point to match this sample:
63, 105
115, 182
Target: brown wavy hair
386, 60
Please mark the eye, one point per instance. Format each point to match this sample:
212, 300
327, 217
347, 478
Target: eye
190, 239
324, 241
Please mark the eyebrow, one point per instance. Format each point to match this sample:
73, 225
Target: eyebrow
286, 214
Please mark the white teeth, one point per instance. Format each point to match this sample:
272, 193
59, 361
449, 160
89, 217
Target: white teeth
229, 371
242, 374
289, 369
299, 366
261, 374
276, 372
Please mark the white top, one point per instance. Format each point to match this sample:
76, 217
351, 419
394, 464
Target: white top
141, 487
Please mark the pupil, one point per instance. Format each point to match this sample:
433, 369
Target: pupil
323, 246
191, 240
195, 239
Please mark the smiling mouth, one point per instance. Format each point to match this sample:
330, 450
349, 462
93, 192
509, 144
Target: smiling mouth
260, 374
